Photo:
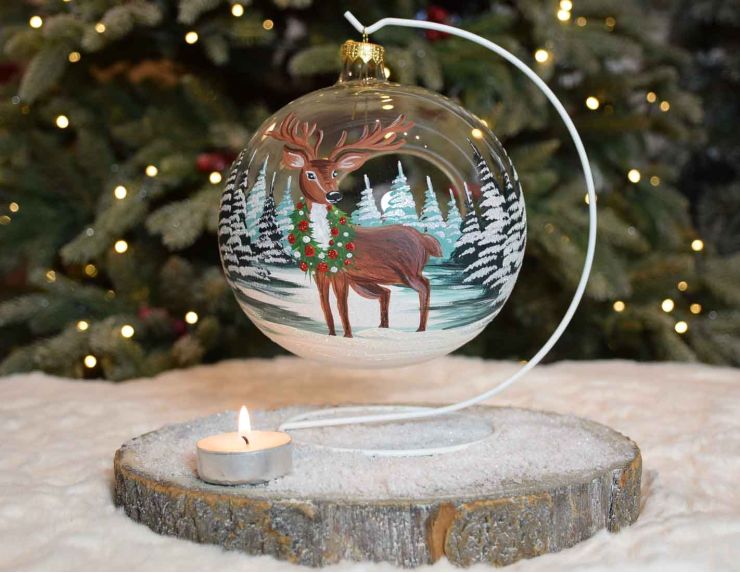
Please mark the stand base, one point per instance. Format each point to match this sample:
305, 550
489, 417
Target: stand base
539, 483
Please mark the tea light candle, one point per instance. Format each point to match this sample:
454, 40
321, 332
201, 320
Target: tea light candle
244, 457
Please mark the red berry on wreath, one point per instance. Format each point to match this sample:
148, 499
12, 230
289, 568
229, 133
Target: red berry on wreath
329, 207
334, 231
331, 241
323, 267
347, 262
309, 250
350, 246
342, 220
303, 225
332, 254
299, 205
303, 266
291, 238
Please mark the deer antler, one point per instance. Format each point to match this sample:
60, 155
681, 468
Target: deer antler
378, 139
292, 131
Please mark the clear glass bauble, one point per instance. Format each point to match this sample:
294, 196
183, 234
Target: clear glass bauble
372, 224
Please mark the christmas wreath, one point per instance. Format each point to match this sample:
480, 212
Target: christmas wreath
307, 252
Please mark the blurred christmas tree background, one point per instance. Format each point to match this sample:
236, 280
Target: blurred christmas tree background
119, 120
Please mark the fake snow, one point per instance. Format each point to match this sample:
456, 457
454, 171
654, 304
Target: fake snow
59, 437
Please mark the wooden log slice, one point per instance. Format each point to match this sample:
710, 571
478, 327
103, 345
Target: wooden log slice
539, 482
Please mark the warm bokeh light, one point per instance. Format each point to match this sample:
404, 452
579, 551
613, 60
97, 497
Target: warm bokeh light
14, 207
566, 5
592, 103
681, 326
100, 27
214, 177
120, 192
664, 106
91, 270
151, 170
62, 121
237, 10
127, 331
542, 55
74, 57
695, 308
655, 181
51, 276
619, 306
387, 106
563, 15
90, 361
191, 37
477, 133
682, 286
35, 21
581, 21
121, 246
633, 175
667, 305
268, 24
191, 317
82, 325
697, 245
651, 97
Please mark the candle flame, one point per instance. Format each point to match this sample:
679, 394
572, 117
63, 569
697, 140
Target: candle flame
245, 425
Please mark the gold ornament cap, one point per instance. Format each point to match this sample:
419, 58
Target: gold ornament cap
362, 61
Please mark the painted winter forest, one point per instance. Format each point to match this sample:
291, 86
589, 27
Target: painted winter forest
482, 240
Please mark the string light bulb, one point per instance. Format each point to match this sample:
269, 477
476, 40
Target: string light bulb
268, 24
542, 55
83, 325
592, 103
191, 37
697, 245
127, 331
566, 5
151, 170
62, 121
667, 305
651, 97
695, 308
634, 175
90, 361
36, 22
120, 192
610, 22
74, 57
619, 306
91, 270
121, 246
655, 181
51, 276
214, 177
682, 286
237, 10
14, 207
563, 15
100, 28
191, 317
681, 327
665, 106
581, 21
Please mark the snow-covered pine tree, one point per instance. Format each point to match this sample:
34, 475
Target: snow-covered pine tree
486, 269
431, 218
516, 237
367, 214
401, 206
256, 202
270, 248
452, 226
466, 247
284, 209
236, 247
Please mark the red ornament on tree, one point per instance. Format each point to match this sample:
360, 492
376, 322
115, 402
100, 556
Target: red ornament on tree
214, 161
303, 226
350, 246
309, 250
291, 238
334, 231
440, 16
323, 267
332, 254
303, 266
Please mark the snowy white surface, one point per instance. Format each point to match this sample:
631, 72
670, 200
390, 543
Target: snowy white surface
59, 436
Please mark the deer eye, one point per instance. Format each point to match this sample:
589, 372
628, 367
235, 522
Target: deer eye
334, 174
311, 175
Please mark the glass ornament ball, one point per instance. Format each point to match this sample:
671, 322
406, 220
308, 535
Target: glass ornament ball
372, 224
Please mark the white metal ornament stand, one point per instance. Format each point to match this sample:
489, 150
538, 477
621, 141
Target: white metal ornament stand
328, 417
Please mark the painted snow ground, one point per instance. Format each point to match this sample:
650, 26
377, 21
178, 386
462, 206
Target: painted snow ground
287, 310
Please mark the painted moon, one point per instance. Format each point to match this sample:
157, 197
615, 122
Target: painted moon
385, 201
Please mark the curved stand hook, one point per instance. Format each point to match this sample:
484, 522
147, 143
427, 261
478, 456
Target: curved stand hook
308, 420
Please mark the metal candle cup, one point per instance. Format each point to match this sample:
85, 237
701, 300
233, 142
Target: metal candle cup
227, 459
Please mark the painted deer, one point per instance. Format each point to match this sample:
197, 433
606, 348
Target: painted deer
384, 256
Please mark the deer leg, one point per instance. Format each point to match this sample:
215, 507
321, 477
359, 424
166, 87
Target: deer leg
421, 285
341, 290
323, 285
376, 292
